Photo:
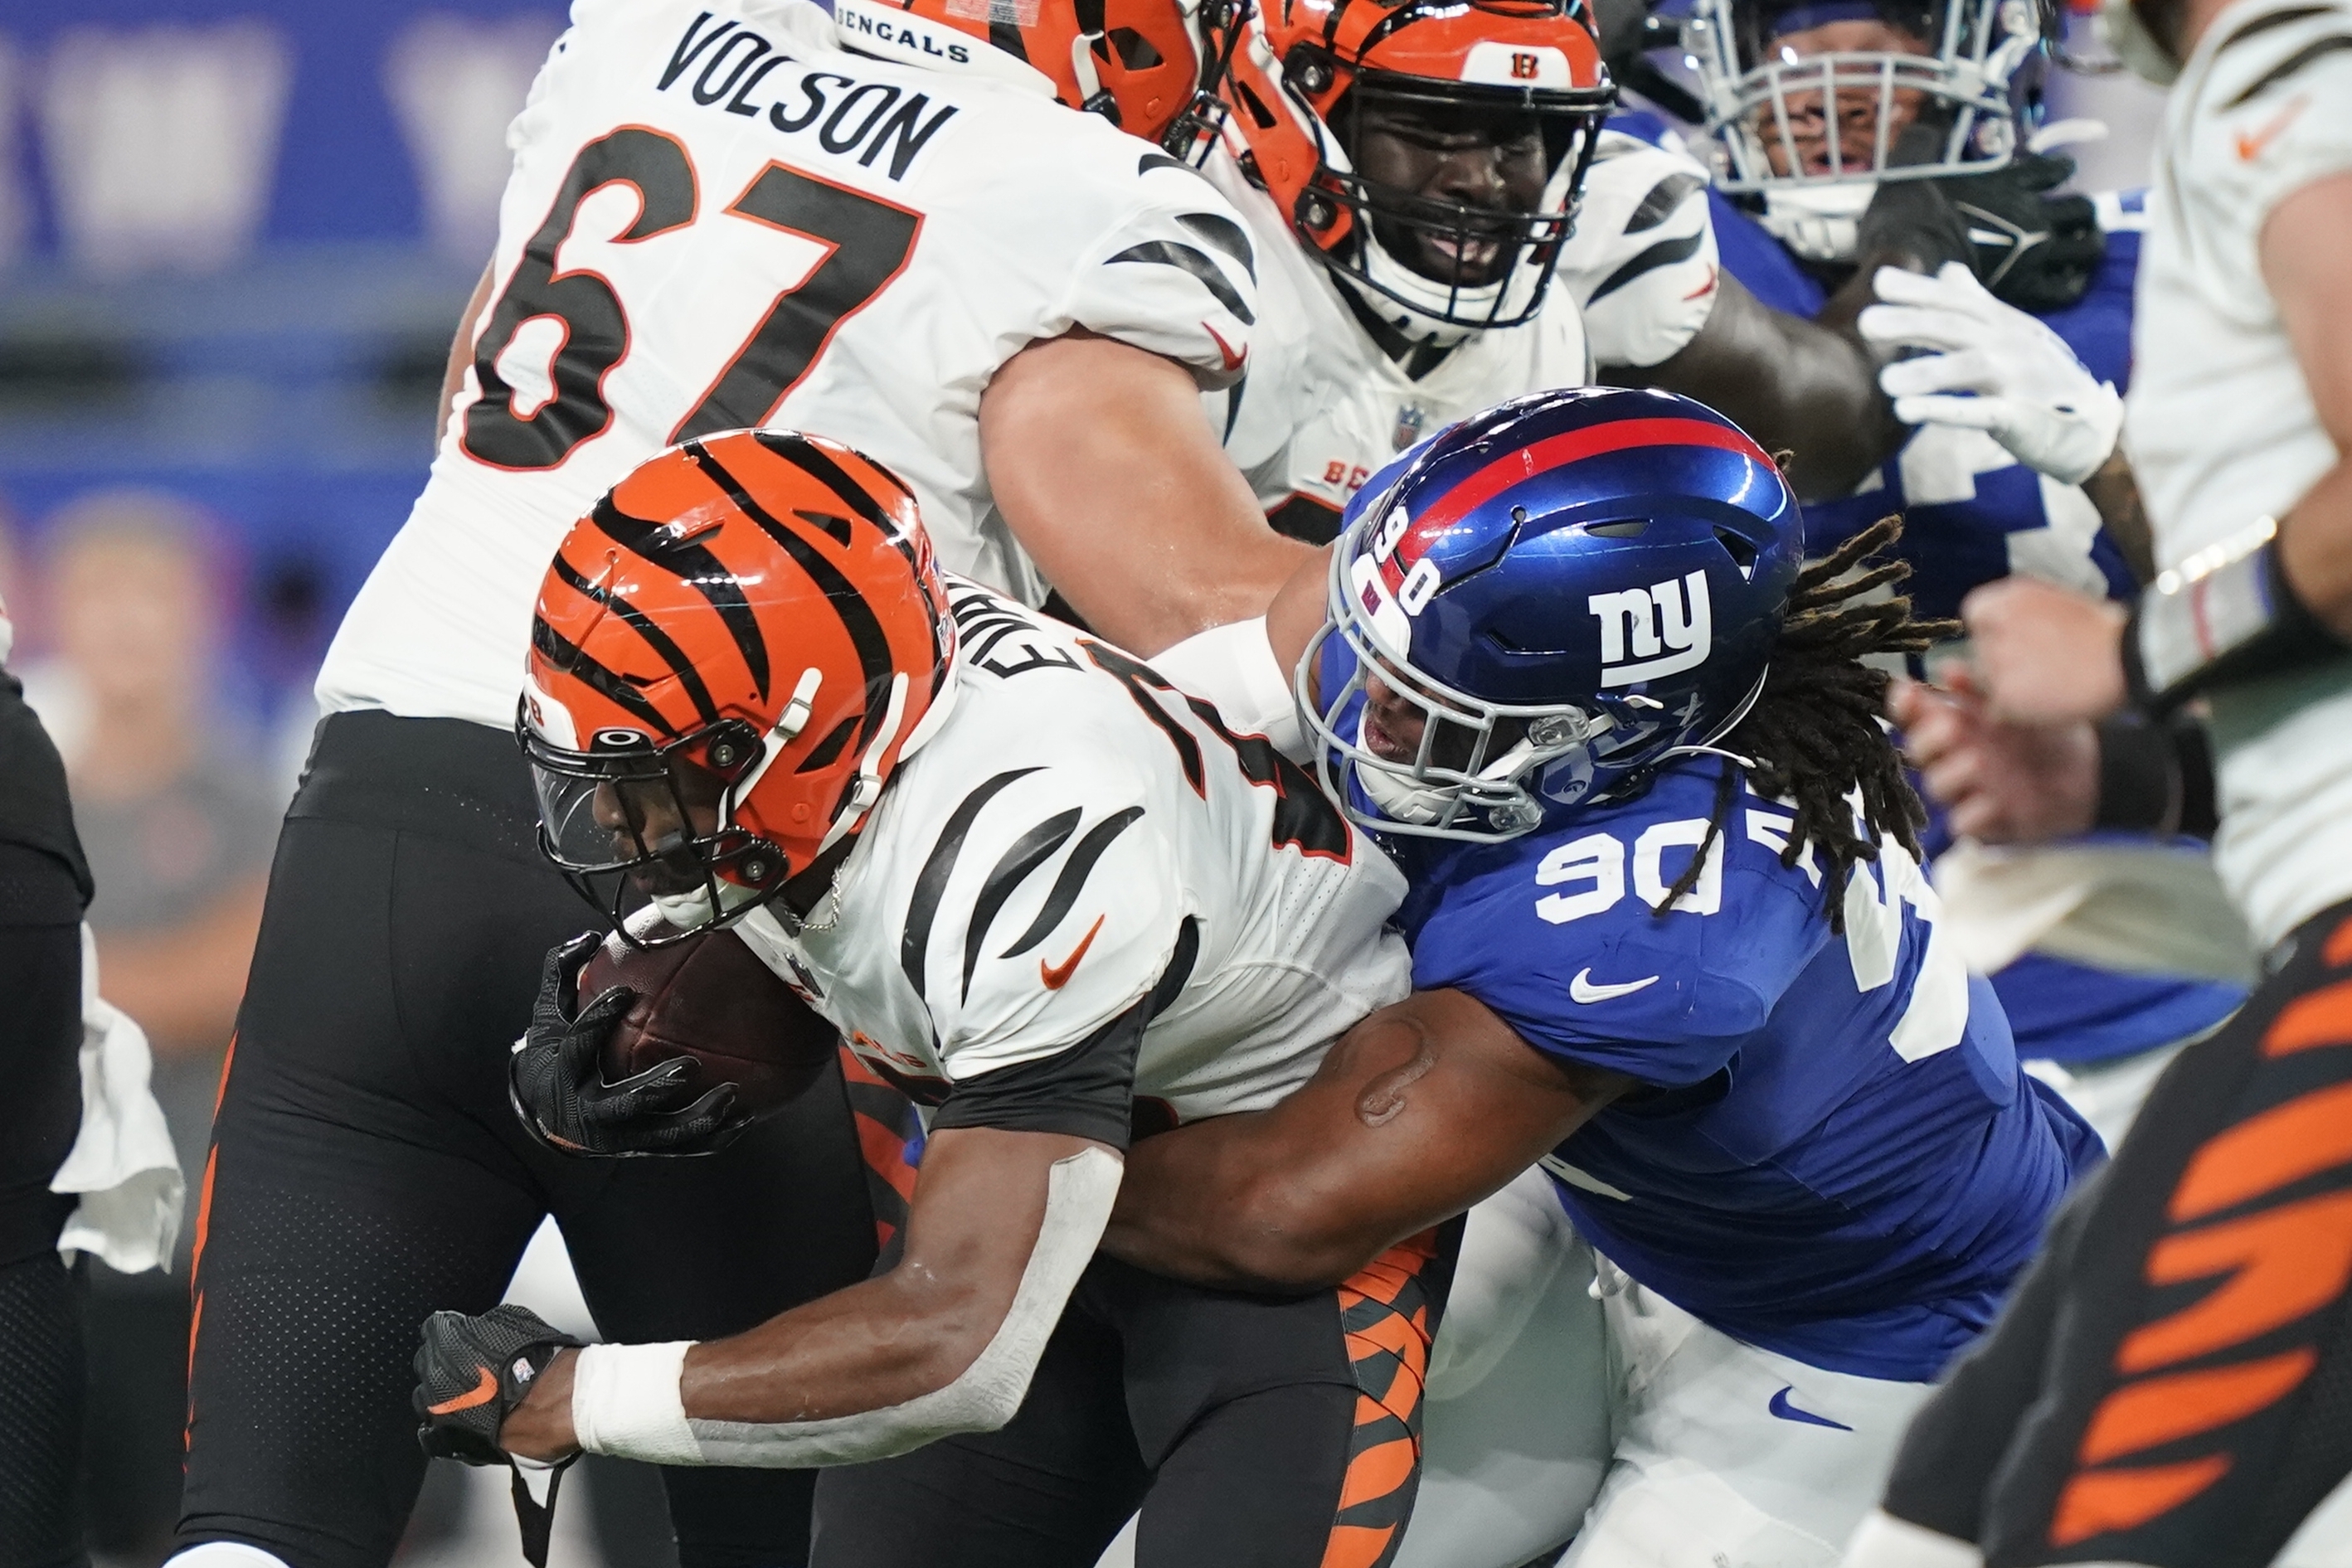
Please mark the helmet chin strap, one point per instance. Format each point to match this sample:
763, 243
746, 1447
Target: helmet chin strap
867, 789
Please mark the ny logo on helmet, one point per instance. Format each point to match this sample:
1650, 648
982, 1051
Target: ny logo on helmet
1641, 624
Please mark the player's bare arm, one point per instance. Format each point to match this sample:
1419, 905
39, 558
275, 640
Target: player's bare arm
1795, 385
1184, 547
2303, 247
980, 1209
1418, 1112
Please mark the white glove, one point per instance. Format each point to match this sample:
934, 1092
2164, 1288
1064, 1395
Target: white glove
2031, 394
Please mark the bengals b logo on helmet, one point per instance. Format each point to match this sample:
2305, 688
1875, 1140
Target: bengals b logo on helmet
763, 605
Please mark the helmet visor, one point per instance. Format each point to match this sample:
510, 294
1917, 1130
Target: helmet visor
643, 826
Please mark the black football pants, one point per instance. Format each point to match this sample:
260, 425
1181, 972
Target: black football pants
2171, 1384
41, 1366
1252, 1433
367, 1169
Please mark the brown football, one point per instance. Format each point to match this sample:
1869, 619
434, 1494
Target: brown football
710, 998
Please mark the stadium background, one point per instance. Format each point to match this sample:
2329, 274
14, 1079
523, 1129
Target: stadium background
235, 236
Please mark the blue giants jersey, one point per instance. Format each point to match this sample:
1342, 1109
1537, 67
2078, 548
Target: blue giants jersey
1837, 1157
1971, 513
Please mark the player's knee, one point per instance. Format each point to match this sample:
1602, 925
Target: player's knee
227, 1554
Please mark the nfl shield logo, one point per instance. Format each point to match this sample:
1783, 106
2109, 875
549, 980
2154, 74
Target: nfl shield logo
1409, 419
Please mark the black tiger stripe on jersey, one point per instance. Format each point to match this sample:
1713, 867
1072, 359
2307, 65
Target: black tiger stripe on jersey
1225, 235
1073, 880
698, 566
1665, 197
1031, 850
2333, 42
1666, 253
688, 677
612, 688
1184, 258
2262, 25
931, 882
857, 617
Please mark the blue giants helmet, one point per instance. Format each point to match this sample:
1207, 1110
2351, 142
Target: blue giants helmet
1570, 588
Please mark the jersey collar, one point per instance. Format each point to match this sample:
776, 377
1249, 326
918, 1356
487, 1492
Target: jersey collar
901, 38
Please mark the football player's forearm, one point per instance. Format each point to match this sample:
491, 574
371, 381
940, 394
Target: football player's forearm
1804, 387
1417, 1113
1001, 1227
1212, 1204
2316, 548
2115, 491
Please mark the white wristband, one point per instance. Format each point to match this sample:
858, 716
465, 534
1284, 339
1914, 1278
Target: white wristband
625, 1401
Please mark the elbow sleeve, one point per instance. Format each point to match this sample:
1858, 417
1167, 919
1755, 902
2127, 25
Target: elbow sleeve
625, 1399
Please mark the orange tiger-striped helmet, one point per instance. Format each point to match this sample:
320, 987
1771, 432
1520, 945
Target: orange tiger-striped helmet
731, 655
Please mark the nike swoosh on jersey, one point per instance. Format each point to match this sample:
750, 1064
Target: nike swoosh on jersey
1780, 1406
482, 1393
1582, 989
1056, 975
2250, 147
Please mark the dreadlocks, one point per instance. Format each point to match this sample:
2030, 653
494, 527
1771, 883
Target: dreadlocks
1813, 738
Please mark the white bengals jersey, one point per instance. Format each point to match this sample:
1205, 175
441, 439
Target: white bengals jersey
2220, 425
1323, 406
720, 217
1077, 840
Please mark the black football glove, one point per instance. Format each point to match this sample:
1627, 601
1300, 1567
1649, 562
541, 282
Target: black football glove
2033, 250
470, 1372
558, 1085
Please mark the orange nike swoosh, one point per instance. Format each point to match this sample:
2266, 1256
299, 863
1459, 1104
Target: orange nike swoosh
1232, 360
1058, 975
482, 1393
2251, 147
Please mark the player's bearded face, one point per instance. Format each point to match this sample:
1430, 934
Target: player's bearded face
1853, 122
1463, 157
656, 822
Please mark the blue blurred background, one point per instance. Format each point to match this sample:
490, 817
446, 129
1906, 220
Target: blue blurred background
235, 236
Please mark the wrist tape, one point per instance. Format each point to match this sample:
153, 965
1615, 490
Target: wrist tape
2226, 613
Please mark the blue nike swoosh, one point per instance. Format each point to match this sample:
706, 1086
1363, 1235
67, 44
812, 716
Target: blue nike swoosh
1787, 1412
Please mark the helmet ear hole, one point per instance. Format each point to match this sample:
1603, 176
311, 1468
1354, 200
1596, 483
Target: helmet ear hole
1135, 51
1743, 551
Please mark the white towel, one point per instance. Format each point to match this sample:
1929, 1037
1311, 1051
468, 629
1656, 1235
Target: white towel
122, 1163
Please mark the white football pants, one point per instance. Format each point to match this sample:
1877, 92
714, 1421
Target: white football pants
1728, 1456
